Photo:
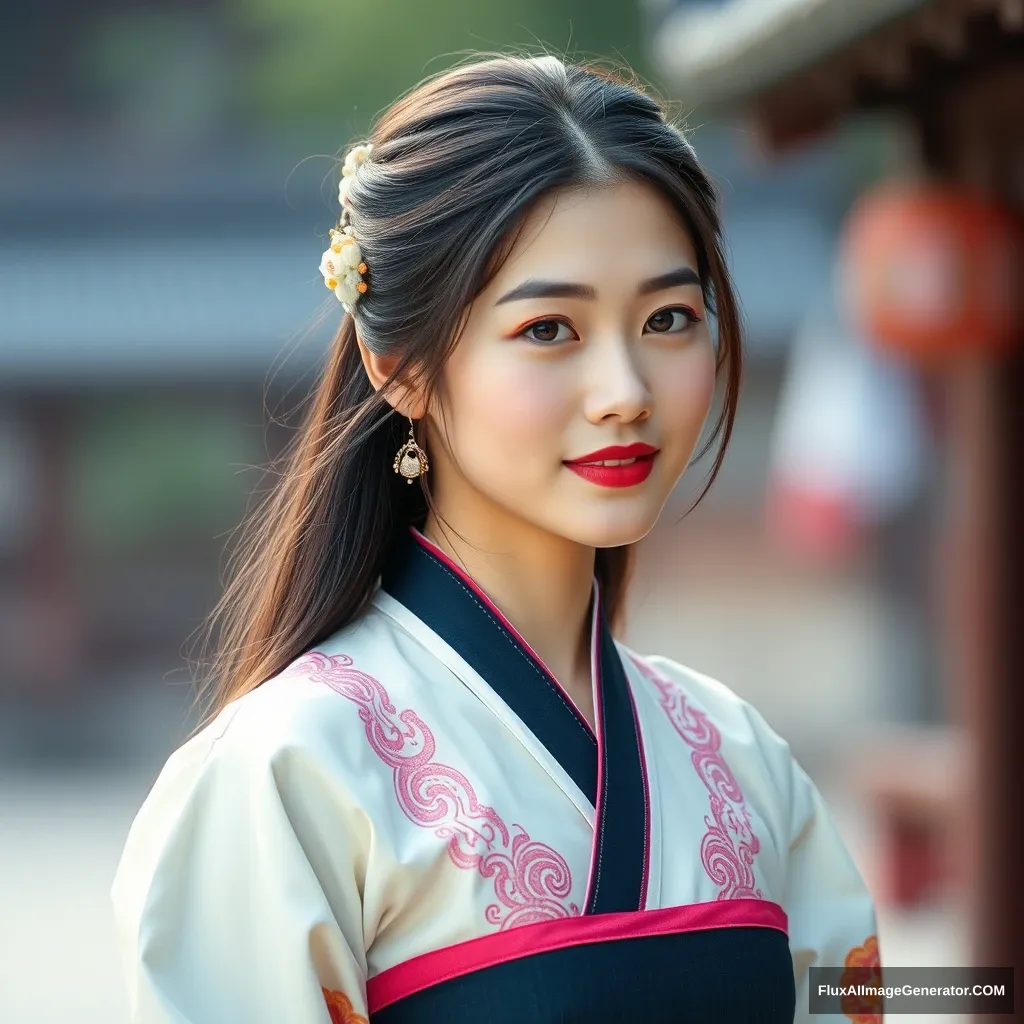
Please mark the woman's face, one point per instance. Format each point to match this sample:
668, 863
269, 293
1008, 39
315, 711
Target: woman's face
593, 335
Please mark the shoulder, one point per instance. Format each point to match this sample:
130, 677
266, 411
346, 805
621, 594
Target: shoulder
237, 757
669, 680
291, 744
700, 706
300, 722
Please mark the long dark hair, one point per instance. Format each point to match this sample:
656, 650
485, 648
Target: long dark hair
455, 166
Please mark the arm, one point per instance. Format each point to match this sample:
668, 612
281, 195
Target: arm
220, 914
831, 914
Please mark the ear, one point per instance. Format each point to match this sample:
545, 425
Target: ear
405, 400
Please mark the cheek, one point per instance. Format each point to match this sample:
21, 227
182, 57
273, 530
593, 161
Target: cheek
684, 389
510, 404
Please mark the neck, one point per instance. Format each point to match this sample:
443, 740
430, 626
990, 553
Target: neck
541, 583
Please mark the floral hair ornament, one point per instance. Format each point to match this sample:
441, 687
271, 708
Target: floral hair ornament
342, 264
354, 159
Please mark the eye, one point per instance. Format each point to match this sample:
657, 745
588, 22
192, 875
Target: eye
671, 321
548, 332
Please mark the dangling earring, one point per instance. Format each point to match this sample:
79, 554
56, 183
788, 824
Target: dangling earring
411, 460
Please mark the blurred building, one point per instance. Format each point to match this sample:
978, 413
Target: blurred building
151, 319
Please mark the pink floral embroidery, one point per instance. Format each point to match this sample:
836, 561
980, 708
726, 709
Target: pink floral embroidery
531, 880
729, 845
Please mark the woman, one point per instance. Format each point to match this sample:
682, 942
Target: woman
432, 786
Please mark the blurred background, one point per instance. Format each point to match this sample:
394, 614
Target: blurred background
166, 182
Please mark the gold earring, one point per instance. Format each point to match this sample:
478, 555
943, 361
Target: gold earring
411, 460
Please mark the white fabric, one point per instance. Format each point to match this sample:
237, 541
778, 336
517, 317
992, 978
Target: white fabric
350, 814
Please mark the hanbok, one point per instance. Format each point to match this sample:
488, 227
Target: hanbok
413, 822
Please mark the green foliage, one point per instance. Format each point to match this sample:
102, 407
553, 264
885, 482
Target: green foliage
342, 61
152, 470
161, 75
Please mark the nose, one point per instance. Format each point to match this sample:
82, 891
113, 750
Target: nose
616, 384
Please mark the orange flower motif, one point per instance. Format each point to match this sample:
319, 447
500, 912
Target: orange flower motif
340, 1007
863, 967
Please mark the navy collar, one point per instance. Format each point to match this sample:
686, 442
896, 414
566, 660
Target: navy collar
606, 766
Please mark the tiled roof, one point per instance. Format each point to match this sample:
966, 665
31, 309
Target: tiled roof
112, 273
722, 54
192, 306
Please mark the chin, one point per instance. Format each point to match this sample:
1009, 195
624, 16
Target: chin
613, 531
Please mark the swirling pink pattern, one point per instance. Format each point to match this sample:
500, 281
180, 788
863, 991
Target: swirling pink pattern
531, 880
729, 845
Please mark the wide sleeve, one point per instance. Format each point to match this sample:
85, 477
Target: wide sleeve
831, 913
220, 914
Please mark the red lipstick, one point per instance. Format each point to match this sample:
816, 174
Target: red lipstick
621, 473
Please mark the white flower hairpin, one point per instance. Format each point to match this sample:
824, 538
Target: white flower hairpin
342, 265
354, 159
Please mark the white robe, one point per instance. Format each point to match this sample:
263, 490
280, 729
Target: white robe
314, 854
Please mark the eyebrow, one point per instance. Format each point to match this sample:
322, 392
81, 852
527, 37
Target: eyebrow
674, 278
536, 289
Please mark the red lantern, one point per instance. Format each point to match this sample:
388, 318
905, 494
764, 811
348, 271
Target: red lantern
930, 272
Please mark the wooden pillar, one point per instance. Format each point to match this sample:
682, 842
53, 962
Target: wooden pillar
1004, 887
979, 644
975, 136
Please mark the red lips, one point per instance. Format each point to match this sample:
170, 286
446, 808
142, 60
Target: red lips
633, 473
616, 451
